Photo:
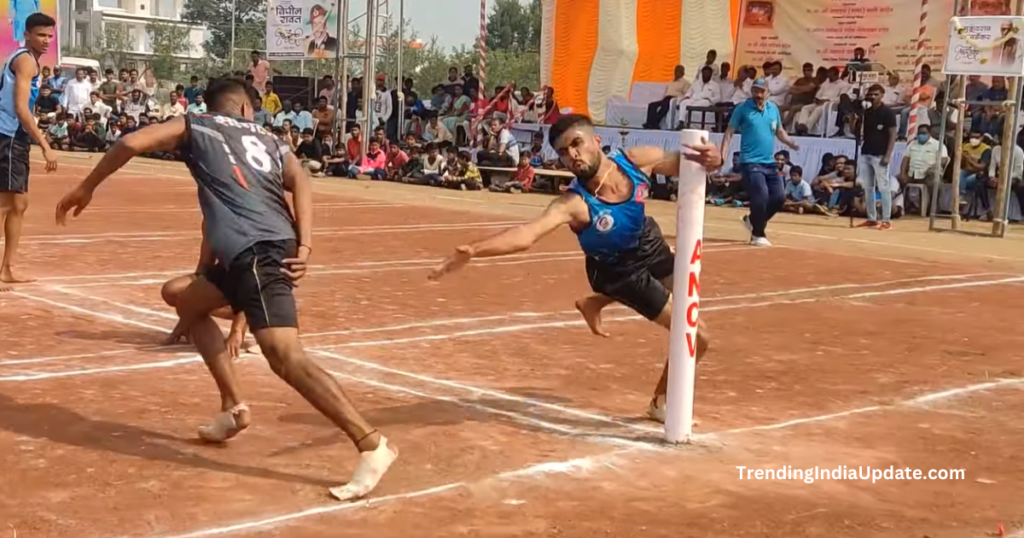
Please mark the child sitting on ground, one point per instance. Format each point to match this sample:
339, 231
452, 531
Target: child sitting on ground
466, 176
522, 181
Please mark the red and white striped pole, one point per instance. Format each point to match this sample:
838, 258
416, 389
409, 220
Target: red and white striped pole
482, 65
918, 63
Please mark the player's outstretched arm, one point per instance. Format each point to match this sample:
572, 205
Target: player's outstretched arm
24, 71
297, 182
565, 209
655, 160
166, 136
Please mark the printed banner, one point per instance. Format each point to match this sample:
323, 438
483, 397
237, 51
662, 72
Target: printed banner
825, 32
11, 35
985, 46
301, 29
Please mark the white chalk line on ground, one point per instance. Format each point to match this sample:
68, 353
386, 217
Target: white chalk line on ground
196, 209
572, 323
499, 317
538, 470
192, 358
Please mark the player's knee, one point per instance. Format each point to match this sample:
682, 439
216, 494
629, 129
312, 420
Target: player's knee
20, 205
170, 291
284, 358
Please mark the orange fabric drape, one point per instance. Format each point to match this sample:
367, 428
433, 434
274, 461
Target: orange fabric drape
658, 36
575, 47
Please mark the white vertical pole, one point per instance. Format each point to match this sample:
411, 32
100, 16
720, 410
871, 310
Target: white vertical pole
234, 16
682, 346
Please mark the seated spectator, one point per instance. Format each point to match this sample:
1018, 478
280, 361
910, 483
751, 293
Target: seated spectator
896, 98
501, 149
57, 134
801, 94
434, 166
89, 140
726, 85
260, 115
676, 89
412, 172
286, 113
703, 93
47, 108
137, 106
725, 188
466, 175
310, 153
130, 126
336, 163
828, 165
843, 191
919, 161
502, 105
782, 163
327, 144
828, 94
296, 136
459, 114
799, 198
480, 103
354, 146
380, 134
173, 108
522, 181
372, 164
99, 107
324, 116
198, 106
113, 133
778, 84
438, 133
440, 100
454, 81
409, 142
743, 84
395, 162
974, 163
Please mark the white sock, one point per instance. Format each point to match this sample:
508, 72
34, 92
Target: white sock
372, 466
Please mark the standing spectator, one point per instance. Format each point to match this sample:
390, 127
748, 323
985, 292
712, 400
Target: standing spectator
108, 90
194, 90
327, 88
801, 94
57, 82
704, 92
469, 81
373, 164
760, 122
260, 115
76, 94
381, 103
454, 80
260, 71
94, 78
550, 113
879, 126
324, 116
353, 106
676, 89
199, 107
271, 102
392, 124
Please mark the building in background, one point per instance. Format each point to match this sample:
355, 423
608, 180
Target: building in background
82, 21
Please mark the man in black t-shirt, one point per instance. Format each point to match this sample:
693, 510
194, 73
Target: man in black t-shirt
879, 136
242, 172
46, 104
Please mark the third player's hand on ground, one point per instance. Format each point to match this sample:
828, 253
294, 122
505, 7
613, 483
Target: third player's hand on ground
77, 200
452, 263
234, 344
51, 159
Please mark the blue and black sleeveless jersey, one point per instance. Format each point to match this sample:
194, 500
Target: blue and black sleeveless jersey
10, 125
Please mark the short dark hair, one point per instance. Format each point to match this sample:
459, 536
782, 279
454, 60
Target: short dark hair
222, 88
39, 20
465, 155
307, 131
195, 78
796, 171
569, 121
927, 128
254, 52
108, 72
431, 146
876, 88
808, 65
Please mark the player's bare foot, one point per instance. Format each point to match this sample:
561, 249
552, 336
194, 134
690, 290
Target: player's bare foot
656, 410
372, 466
226, 425
7, 277
591, 311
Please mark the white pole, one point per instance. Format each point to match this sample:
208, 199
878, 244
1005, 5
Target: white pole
682, 344
232, 52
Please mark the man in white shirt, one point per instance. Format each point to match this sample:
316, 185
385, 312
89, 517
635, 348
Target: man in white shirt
676, 89
743, 84
778, 84
76, 94
895, 96
286, 113
828, 93
703, 92
99, 107
382, 102
919, 161
726, 85
301, 118
1016, 166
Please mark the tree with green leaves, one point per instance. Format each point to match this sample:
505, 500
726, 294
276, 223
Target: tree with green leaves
169, 42
250, 17
513, 26
109, 47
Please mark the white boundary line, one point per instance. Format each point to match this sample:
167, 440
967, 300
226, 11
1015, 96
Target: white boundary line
569, 466
111, 317
107, 369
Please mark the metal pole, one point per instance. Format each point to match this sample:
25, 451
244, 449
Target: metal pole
1009, 144
231, 53
957, 146
958, 136
341, 74
369, 78
1004, 200
401, 78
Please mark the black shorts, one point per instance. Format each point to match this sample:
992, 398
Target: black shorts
13, 165
254, 284
634, 277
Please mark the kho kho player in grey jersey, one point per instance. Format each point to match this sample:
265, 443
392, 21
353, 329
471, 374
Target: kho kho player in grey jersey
242, 173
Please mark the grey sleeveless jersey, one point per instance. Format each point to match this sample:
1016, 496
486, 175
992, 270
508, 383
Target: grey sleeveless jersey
238, 166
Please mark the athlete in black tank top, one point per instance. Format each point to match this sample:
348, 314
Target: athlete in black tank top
243, 173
